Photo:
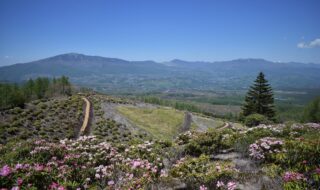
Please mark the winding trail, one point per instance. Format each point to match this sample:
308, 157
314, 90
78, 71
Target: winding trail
86, 116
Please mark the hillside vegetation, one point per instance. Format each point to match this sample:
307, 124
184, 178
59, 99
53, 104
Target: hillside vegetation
18, 94
228, 156
133, 145
52, 120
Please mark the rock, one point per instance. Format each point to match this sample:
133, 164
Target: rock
313, 125
228, 156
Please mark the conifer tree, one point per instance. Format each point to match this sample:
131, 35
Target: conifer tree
259, 99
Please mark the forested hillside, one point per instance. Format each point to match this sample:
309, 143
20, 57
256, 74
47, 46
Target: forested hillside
18, 94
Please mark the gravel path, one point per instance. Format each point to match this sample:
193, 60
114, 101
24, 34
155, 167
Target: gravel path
86, 116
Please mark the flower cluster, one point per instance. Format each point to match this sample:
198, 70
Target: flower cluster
202, 170
273, 128
265, 146
184, 137
231, 185
202, 187
86, 162
296, 126
293, 176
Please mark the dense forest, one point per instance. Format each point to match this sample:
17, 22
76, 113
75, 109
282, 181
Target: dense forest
18, 94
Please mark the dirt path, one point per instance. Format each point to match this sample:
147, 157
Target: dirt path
86, 116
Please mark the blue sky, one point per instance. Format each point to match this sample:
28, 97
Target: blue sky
161, 30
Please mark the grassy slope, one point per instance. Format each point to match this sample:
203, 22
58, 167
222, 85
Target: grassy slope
163, 123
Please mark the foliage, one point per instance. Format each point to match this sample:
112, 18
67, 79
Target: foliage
108, 129
209, 142
47, 119
264, 148
80, 164
312, 111
259, 99
245, 139
288, 112
16, 95
255, 119
198, 171
292, 151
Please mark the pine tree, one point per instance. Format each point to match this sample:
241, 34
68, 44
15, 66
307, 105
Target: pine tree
259, 99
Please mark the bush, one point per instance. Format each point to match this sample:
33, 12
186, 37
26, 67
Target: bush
209, 142
197, 171
243, 142
255, 119
13, 130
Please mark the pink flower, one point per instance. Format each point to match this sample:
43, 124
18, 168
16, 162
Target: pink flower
293, 176
231, 185
163, 173
19, 181
220, 184
154, 170
111, 182
136, 164
19, 166
218, 168
202, 187
15, 188
38, 167
6, 170
61, 188
54, 185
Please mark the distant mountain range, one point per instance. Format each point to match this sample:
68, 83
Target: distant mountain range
111, 74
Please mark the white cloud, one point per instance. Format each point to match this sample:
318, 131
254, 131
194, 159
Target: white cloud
301, 45
312, 44
315, 43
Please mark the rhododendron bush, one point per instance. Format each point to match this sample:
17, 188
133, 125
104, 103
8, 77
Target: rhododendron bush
197, 171
80, 164
295, 155
265, 147
206, 160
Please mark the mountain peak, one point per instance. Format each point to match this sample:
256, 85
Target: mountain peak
178, 61
257, 60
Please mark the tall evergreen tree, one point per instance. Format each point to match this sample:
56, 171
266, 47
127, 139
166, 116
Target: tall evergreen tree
259, 99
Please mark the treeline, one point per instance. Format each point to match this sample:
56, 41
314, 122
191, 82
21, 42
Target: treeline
12, 95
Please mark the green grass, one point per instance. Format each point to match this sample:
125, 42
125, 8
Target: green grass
162, 123
208, 122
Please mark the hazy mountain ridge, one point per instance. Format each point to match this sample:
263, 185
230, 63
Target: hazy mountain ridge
109, 73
